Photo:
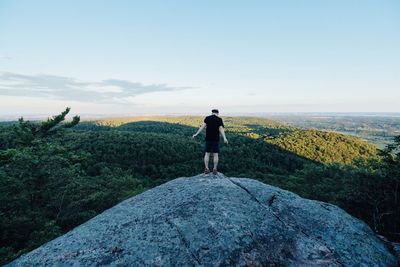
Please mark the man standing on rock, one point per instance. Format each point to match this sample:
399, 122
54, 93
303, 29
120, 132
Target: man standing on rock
214, 125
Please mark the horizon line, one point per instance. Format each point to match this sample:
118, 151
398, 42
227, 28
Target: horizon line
89, 116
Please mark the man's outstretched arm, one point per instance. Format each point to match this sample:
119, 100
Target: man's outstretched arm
200, 129
222, 131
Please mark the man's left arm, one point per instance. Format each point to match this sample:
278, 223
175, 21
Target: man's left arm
222, 131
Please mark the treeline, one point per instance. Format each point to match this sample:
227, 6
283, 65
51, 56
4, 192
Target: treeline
56, 175
321, 146
326, 147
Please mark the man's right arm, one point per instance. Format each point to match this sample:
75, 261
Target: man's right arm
200, 129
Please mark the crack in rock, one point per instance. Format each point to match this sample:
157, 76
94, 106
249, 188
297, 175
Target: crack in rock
245, 189
270, 202
184, 240
325, 207
256, 199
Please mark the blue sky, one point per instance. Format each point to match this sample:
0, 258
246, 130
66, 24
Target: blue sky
155, 57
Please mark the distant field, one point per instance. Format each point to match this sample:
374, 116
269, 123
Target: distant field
378, 130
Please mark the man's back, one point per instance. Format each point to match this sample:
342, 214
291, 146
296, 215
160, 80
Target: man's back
213, 123
213, 127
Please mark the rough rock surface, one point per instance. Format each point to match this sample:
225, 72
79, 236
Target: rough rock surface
216, 221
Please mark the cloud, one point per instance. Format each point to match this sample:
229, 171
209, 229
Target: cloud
67, 88
4, 57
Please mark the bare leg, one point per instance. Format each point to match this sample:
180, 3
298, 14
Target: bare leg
206, 159
215, 161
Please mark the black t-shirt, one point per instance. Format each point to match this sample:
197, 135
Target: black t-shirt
212, 131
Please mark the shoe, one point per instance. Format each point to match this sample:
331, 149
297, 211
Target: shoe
206, 171
215, 172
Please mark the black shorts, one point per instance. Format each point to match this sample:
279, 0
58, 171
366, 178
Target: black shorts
212, 146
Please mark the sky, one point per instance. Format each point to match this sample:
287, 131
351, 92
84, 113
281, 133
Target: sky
187, 57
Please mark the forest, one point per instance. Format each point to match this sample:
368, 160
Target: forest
56, 174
